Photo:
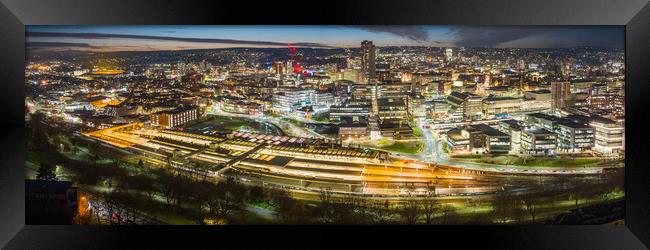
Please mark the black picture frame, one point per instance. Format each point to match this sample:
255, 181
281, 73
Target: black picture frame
633, 14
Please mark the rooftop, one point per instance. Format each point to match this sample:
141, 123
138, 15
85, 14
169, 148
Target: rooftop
177, 110
538, 131
513, 124
487, 130
540, 91
543, 116
571, 124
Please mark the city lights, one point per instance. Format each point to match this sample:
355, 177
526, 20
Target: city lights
382, 123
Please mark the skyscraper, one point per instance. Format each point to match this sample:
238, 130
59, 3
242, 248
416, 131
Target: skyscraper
368, 60
278, 68
449, 54
559, 92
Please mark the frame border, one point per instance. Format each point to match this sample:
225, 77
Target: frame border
633, 14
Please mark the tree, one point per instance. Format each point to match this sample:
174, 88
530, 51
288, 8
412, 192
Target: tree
211, 197
109, 202
518, 211
614, 182
38, 131
448, 214
383, 212
88, 173
344, 211
224, 206
502, 205
429, 209
530, 206
57, 142
410, 212
324, 209
363, 211
142, 183
281, 199
166, 185
94, 147
46, 172
256, 194
297, 214
579, 191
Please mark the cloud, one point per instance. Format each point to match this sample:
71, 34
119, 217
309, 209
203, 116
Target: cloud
490, 36
535, 37
55, 45
169, 38
414, 33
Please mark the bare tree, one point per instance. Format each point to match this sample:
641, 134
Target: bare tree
325, 211
410, 212
502, 205
344, 211
429, 209
363, 211
298, 214
383, 212
530, 206
448, 214
518, 212
109, 204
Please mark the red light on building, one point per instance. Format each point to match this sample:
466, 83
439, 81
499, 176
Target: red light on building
297, 68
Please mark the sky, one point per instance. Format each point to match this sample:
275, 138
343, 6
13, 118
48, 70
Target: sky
168, 37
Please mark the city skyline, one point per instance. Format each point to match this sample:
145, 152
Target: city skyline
285, 134
159, 38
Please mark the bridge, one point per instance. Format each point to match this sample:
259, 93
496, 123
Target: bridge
239, 158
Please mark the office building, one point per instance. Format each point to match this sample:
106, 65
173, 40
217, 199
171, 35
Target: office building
512, 128
538, 141
485, 138
609, 135
541, 120
396, 130
337, 112
239, 106
559, 94
456, 141
295, 99
449, 54
470, 105
574, 137
495, 106
174, 118
353, 130
392, 109
368, 56
478, 138
539, 95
